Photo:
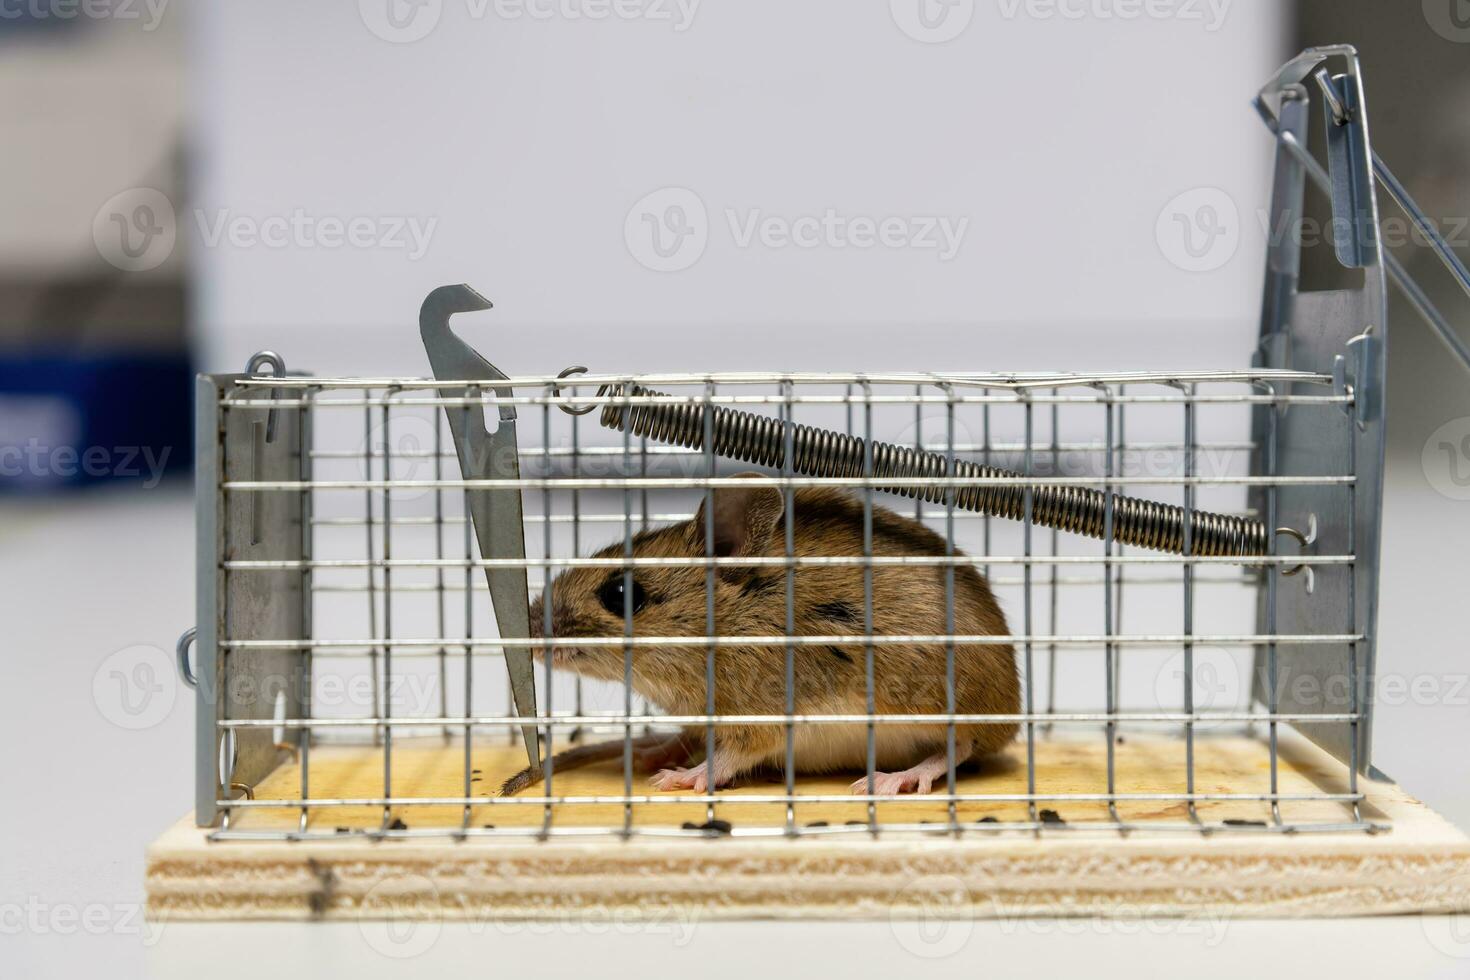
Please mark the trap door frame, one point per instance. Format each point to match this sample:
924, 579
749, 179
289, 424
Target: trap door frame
1342, 332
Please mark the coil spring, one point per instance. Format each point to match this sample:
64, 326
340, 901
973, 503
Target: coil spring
760, 440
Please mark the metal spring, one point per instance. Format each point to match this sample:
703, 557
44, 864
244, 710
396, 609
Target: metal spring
760, 440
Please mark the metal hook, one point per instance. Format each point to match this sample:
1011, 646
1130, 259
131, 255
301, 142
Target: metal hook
278, 369
1329, 95
556, 390
261, 358
1301, 539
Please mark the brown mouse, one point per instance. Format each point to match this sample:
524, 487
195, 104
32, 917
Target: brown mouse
751, 601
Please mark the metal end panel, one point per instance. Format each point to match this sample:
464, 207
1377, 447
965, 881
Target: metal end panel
1329, 679
241, 444
1344, 333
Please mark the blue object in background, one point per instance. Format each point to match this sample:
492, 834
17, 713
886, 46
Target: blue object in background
70, 420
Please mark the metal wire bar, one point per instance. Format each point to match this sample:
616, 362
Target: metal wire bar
387, 705
982, 379
321, 589
891, 484
1110, 651
469, 636
983, 829
1187, 572
564, 721
788, 545
1028, 516
305, 437
879, 639
576, 451
562, 401
548, 620
950, 706
441, 593
869, 648
768, 798
812, 561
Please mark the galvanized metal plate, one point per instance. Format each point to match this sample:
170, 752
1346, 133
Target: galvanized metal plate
242, 444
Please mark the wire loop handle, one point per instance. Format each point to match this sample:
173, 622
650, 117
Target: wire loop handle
182, 649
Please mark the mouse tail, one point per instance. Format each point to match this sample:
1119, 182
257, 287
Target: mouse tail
574, 758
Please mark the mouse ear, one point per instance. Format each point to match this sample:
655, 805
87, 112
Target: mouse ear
744, 522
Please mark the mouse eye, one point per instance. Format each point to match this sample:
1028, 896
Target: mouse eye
612, 598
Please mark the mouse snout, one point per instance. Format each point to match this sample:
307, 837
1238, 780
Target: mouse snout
564, 628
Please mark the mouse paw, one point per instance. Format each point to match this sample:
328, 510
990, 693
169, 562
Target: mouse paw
919, 779
672, 779
886, 784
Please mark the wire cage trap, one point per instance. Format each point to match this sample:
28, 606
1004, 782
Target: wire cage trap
1186, 564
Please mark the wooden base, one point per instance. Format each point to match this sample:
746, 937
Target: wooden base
1420, 864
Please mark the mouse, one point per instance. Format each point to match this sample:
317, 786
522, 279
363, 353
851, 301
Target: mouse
750, 680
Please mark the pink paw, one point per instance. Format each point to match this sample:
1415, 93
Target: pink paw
894, 783
671, 779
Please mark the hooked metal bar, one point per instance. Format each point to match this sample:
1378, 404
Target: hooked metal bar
496, 514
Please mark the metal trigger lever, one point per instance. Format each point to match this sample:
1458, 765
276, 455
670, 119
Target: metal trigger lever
495, 513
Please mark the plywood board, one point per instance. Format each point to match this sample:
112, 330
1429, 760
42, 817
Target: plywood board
1419, 862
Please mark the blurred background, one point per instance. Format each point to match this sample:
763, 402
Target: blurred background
190, 181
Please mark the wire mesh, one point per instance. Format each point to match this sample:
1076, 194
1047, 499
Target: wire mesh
398, 624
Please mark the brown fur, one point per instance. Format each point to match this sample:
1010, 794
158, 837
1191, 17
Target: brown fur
829, 679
